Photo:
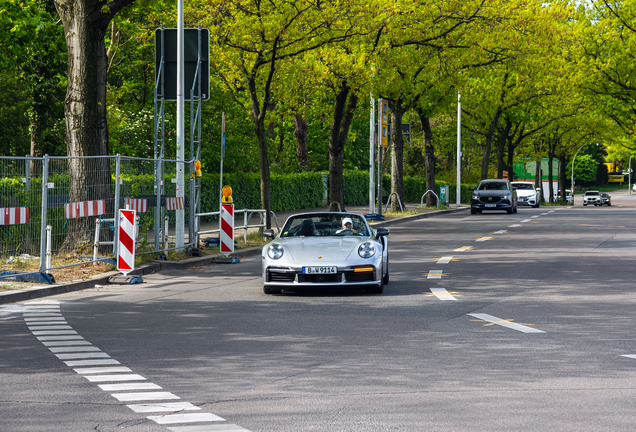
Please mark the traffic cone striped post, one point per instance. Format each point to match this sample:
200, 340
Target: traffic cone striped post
126, 246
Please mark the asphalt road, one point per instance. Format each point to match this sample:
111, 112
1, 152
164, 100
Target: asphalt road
527, 329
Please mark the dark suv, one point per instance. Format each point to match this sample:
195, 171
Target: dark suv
493, 194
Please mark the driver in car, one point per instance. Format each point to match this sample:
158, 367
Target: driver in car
347, 227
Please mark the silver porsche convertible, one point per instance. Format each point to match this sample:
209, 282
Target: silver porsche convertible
326, 249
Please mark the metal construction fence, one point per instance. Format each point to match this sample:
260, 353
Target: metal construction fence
60, 211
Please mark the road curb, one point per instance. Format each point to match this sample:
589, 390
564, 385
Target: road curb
25, 294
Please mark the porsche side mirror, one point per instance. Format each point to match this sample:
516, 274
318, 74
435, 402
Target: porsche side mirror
381, 232
269, 233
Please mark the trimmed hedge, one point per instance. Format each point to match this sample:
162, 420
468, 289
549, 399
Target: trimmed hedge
357, 188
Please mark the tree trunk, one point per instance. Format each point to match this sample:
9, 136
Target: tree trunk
397, 147
501, 147
562, 176
85, 23
429, 158
341, 122
300, 132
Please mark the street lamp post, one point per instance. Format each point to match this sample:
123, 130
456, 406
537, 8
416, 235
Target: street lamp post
459, 148
572, 178
629, 171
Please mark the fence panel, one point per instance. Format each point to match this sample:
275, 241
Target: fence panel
20, 207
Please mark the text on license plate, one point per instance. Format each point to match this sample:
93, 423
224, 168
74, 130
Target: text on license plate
490, 205
320, 270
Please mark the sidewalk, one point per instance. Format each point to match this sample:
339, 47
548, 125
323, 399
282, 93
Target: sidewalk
30, 293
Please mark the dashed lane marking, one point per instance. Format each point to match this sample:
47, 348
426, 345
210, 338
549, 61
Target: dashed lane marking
45, 321
163, 407
492, 320
535, 216
544, 214
105, 378
442, 294
463, 249
552, 211
129, 386
501, 232
482, 239
525, 220
68, 349
101, 370
446, 260
633, 356
435, 274
184, 418
132, 397
515, 226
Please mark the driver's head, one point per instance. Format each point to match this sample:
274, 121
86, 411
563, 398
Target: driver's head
347, 223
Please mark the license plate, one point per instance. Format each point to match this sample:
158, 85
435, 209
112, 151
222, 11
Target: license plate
320, 270
490, 205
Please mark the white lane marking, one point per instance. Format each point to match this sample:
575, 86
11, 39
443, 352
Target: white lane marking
445, 260
106, 369
41, 315
501, 232
506, 323
105, 378
79, 356
70, 349
535, 216
74, 363
463, 249
33, 325
42, 302
435, 274
482, 239
49, 327
65, 343
184, 418
211, 428
552, 211
163, 407
629, 355
129, 386
58, 338
44, 319
515, 226
543, 214
525, 220
53, 332
442, 294
130, 397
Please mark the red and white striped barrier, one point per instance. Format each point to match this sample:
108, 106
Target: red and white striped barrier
140, 205
14, 215
175, 203
84, 208
126, 244
227, 229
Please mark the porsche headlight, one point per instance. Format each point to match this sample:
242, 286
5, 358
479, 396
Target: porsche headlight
366, 250
275, 251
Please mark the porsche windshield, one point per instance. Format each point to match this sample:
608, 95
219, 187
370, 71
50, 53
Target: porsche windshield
325, 225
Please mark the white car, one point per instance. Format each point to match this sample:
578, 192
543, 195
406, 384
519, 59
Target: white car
319, 250
569, 198
592, 197
526, 193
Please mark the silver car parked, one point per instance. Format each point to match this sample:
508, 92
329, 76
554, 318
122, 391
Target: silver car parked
326, 249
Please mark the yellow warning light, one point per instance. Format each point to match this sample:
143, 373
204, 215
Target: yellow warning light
197, 168
227, 194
